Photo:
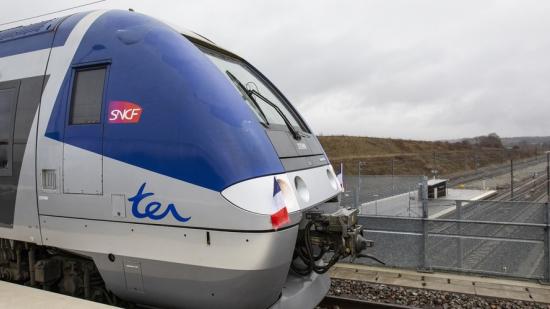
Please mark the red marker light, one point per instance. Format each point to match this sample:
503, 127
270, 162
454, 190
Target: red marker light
279, 218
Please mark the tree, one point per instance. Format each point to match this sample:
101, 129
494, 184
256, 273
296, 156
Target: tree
490, 141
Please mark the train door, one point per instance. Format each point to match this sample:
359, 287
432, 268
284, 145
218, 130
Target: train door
8, 185
19, 99
83, 146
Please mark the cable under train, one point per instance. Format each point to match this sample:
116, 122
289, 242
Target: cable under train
143, 164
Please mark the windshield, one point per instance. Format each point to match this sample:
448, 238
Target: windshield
263, 110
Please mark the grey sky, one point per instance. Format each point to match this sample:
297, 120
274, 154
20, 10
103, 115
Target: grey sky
407, 69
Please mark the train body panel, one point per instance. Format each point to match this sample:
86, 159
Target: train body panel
134, 146
185, 101
174, 285
174, 265
22, 68
209, 248
190, 201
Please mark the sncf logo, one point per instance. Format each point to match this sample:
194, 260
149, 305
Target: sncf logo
124, 112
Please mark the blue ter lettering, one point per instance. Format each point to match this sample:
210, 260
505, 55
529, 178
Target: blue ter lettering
153, 209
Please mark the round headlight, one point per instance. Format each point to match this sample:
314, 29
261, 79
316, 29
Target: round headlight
301, 188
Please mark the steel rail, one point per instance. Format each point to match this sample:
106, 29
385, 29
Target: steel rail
333, 302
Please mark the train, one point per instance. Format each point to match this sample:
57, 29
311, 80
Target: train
141, 163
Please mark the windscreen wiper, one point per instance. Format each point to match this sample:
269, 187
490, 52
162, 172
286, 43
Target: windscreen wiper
295, 133
251, 92
243, 90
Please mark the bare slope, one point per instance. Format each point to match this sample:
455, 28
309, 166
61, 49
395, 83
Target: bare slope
408, 157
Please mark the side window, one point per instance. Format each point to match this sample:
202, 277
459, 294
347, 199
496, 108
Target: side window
8, 97
3, 155
87, 95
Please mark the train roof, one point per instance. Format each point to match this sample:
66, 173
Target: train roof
200, 39
29, 30
49, 25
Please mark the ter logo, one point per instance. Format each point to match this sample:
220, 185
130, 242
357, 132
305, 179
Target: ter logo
124, 112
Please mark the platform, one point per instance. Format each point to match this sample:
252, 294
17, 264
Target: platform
437, 211
474, 285
408, 204
19, 296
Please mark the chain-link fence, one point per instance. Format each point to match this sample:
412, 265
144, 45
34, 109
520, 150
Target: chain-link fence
368, 191
375, 186
494, 218
490, 237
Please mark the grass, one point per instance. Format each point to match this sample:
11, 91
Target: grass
381, 156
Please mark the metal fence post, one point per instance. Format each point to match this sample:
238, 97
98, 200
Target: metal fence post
410, 201
548, 176
424, 198
359, 183
547, 245
459, 248
392, 175
512, 179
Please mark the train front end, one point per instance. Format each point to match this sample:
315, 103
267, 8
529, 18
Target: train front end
195, 184
303, 198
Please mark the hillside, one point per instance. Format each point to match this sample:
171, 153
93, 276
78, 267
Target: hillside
409, 157
525, 140
520, 141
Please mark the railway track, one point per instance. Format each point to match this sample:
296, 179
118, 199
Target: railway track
490, 210
509, 257
486, 255
493, 171
490, 252
337, 302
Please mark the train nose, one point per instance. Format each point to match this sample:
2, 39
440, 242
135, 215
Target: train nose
302, 189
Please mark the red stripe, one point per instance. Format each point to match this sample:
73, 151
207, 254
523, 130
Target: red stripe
279, 218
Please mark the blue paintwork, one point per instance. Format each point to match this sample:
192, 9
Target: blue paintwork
151, 211
195, 126
37, 36
276, 187
65, 28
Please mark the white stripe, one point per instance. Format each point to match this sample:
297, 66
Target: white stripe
23, 65
60, 62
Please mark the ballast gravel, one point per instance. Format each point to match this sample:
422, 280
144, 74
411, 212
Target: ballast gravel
421, 298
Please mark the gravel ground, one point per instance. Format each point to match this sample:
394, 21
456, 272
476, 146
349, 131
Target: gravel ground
420, 297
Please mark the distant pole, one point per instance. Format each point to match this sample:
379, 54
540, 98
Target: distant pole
512, 179
392, 174
548, 175
409, 201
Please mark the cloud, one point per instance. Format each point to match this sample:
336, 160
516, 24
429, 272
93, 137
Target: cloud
422, 69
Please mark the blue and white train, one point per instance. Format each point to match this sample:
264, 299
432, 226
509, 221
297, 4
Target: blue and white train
139, 164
